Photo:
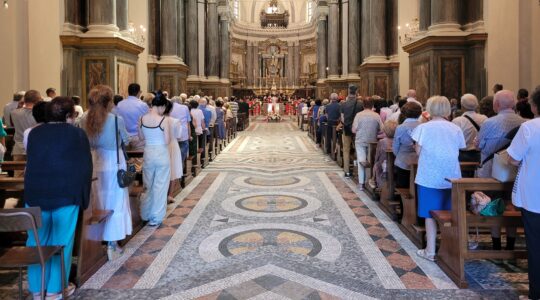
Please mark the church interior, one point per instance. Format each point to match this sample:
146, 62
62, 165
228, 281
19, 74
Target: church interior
269, 149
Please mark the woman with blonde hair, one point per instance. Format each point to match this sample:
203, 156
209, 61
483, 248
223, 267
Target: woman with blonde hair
438, 142
106, 133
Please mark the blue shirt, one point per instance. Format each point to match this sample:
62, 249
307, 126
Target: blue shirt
131, 110
207, 115
403, 144
333, 112
316, 111
492, 134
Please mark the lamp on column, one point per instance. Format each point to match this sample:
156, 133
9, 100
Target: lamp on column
409, 32
137, 34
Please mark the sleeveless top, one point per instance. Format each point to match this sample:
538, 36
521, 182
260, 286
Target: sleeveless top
154, 136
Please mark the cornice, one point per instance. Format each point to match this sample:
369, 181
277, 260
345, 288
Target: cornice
101, 42
434, 40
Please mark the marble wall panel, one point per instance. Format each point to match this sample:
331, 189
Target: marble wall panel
420, 79
451, 76
125, 76
95, 71
380, 86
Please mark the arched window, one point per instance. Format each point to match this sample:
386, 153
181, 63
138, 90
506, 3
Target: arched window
309, 11
236, 9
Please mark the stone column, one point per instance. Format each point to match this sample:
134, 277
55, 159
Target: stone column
321, 48
73, 21
121, 15
192, 50
378, 28
225, 48
365, 30
392, 32
354, 37
345, 48
333, 39
475, 10
201, 13
213, 40
102, 17
424, 14
297, 67
249, 64
444, 15
169, 27
181, 39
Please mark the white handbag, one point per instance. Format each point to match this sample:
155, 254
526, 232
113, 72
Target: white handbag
502, 170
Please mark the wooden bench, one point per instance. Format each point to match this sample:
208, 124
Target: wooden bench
339, 148
454, 226
11, 166
369, 166
410, 224
388, 194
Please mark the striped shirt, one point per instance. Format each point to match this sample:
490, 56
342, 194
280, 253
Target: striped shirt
234, 108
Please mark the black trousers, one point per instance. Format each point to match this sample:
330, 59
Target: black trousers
403, 178
531, 222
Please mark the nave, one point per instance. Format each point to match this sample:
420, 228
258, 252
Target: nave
272, 218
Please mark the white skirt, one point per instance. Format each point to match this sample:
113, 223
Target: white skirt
176, 160
108, 195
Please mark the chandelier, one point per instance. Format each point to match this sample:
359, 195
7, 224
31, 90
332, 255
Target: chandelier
137, 34
411, 30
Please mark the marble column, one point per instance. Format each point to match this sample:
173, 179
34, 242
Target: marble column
102, 17
378, 28
392, 32
365, 30
192, 50
333, 39
354, 37
475, 10
424, 14
225, 48
345, 39
169, 27
151, 27
73, 18
201, 35
445, 14
297, 63
249, 64
213, 39
321, 47
122, 15
181, 39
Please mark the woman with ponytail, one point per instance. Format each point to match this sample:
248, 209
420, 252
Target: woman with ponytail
106, 132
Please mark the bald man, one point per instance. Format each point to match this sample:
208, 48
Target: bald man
411, 97
492, 138
492, 135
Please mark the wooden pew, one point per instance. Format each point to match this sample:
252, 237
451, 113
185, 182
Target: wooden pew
10, 142
388, 203
11, 166
210, 143
205, 154
332, 141
324, 140
454, 226
11, 187
368, 168
410, 224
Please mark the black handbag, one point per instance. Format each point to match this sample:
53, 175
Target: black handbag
125, 177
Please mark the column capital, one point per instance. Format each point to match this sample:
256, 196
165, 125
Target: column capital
323, 12
211, 1
333, 2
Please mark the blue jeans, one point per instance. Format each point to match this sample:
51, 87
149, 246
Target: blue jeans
57, 229
184, 148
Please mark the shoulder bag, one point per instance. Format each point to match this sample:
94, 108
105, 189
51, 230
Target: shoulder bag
125, 177
470, 155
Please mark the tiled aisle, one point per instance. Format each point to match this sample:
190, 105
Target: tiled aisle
272, 218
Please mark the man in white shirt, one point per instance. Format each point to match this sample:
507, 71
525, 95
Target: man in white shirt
11, 106
131, 110
181, 112
471, 121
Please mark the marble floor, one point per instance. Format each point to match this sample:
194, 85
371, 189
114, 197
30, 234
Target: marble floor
273, 218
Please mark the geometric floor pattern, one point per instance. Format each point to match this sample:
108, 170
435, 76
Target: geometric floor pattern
273, 218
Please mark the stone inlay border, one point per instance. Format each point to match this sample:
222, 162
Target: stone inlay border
412, 276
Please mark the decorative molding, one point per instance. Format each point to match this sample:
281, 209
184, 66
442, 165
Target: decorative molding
101, 42
430, 41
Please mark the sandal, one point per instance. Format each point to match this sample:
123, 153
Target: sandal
423, 254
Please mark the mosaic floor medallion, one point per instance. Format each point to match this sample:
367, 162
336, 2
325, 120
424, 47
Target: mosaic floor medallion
280, 240
260, 182
270, 238
271, 204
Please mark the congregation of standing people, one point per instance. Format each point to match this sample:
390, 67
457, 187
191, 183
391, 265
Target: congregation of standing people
438, 135
73, 158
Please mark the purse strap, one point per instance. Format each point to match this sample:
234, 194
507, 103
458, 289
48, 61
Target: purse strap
472, 122
116, 139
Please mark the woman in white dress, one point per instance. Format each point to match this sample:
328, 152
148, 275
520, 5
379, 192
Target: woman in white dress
174, 151
100, 126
